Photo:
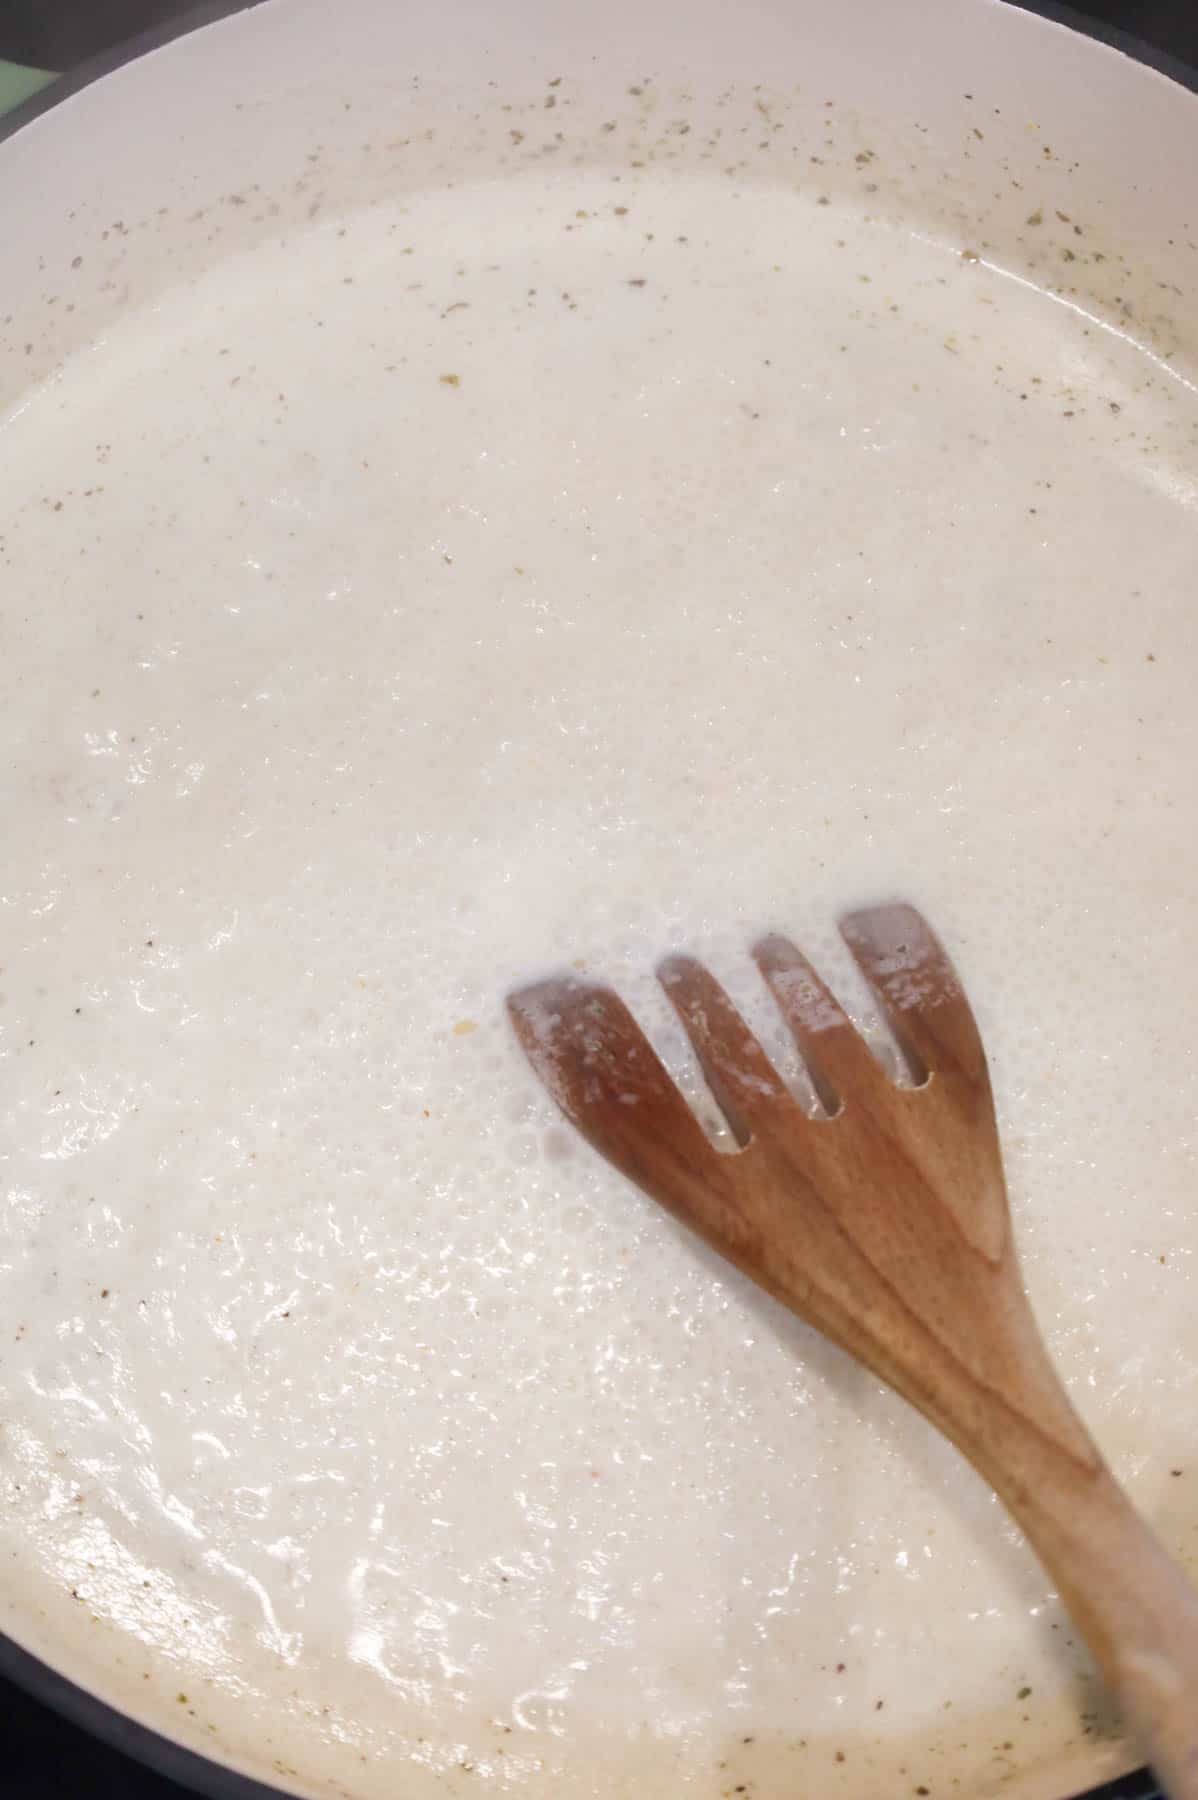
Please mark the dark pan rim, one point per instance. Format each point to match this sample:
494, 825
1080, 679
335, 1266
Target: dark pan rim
216, 1780
204, 1775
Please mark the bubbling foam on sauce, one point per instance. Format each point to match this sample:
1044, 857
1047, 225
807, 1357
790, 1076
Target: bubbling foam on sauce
442, 600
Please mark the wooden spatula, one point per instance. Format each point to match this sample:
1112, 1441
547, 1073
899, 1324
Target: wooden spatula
884, 1223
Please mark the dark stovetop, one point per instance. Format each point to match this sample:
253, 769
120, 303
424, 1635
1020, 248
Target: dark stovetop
41, 1756
44, 1758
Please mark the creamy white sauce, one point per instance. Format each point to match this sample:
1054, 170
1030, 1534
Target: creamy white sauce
466, 590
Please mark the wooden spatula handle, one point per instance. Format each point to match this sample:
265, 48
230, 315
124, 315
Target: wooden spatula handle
1134, 1605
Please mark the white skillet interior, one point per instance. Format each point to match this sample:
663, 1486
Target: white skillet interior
969, 119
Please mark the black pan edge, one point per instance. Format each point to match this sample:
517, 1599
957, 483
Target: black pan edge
214, 1780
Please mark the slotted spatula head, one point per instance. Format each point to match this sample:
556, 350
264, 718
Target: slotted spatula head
883, 1219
